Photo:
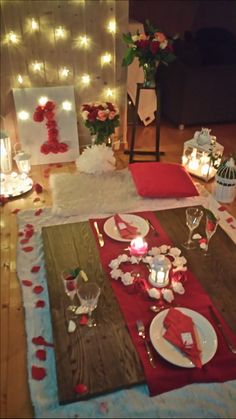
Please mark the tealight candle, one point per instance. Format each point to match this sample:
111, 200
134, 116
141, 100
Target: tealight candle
159, 273
138, 247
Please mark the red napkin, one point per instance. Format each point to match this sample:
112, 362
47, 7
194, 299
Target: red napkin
180, 332
126, 230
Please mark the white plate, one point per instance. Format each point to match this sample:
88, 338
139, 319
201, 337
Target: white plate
206, 334
112, 231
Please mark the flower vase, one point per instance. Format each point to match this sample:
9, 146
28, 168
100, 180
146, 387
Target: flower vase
149, 71
93, 139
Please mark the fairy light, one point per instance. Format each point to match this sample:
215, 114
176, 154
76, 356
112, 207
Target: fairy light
20, 78
43, 100
34, 25
66, 105
112, 26
64, 72
85, 79
60, 32
12, 38
37, 66
106, 58
109, 93
23, 115
84, 41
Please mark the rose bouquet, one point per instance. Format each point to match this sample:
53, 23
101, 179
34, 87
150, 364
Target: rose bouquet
101, 119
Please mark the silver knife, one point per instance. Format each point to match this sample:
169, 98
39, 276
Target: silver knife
220, 326
100, 236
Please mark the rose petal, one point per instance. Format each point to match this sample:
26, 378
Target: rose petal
222, 208
27, 282
38, 212
229, 220
38, 373
35, 269
24, 241
40, 304
15, 211
38, 289
27, 249
103, 407
39, 340
81, 389
38, 188
41, 354
83, 320
29, 226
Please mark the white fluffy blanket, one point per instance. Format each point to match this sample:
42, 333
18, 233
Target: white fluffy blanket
107, 193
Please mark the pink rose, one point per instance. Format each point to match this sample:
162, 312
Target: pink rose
102, 115
112, 115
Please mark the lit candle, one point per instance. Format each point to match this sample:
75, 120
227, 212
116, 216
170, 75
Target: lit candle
159, 272
138, 247
206, 169
193, 163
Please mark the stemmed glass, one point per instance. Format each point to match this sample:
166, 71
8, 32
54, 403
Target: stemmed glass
70, 278
210, 229
88, 294
193, 218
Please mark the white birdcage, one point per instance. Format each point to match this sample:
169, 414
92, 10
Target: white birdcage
225, 181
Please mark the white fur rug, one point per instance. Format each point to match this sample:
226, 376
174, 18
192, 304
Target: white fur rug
82, 193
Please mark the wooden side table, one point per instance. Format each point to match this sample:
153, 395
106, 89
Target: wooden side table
157, 151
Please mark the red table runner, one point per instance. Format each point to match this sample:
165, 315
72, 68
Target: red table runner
135, 305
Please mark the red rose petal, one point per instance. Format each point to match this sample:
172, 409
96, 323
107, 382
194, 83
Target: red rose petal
27, 282
29, 226
40, 304
83, 320
15, 211
27, 249
38, 188
35, 269
38, 373
103, 407
41, 354
29, 233
222, 208
81, 389
38, 212
38, 289
24, 241
229, 220
39, 340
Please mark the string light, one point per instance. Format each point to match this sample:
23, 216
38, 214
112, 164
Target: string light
12, 38
106, 58
60, 32
109, 93
66, 105
34, 25
37, 66
23, 115
43, 100
64, 72
84, 41
20, 79
112, 26
85, 79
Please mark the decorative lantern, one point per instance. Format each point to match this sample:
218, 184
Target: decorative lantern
159, 272
202, 155
225, 182
6, 153
23, 161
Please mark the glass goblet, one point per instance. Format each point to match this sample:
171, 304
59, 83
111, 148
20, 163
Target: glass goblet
210, 229
69, 278
193, 218
88, 294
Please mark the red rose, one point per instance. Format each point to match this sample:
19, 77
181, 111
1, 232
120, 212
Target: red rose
39, 108
45, 148
86, 107
63, 147
38, 116
154, 47
51, 124
93, 115
50, 105
110, 106
142, 44
49, 115
52, 131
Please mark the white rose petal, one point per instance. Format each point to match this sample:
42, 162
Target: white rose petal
123, 258
174, 251
133, 260
168, 295
116, 273
154, 251
197, 236
71, 326
180, 269
81, 310
179, 261
178, 287
154, 293
114, 264
164, 248
127, 278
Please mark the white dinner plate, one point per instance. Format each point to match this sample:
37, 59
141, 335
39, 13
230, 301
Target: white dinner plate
112, 231
206, 336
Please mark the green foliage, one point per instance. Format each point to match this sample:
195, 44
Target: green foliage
103, 129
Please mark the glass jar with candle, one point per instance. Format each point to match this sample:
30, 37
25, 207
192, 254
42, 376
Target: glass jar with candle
138, 247
159, 271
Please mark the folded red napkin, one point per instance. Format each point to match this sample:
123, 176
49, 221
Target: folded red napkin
126, 230
180, 332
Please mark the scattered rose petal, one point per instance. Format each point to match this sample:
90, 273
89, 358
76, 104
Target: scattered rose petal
203, 240
29, 233
38, 289
3, 200
27, 248
24, 241
20, 234
15, 211
27, 282
35, 269
38, 373
39, 340
103, 407
36, 199
81, 389
197, 236
29, 226
38, 188
41, 354
222, 208
38, 212
71, 326
81, 310
229, 220
83, 320
40, 304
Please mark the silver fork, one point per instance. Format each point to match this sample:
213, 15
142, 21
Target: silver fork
152, 227
141, 332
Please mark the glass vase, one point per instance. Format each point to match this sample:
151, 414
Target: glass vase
149, 71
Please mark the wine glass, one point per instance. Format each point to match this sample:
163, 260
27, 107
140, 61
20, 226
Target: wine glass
88, 294
210, 229
69, 278
193, 218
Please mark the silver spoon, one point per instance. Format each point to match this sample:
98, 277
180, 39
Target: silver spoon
157, 309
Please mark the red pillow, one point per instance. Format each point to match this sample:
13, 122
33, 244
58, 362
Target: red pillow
161, 180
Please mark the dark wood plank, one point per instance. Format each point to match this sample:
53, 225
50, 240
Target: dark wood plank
216, 272
102, 358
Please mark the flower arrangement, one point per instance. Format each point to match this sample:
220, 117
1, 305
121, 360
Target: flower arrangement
47, 112
150, 48
101, 119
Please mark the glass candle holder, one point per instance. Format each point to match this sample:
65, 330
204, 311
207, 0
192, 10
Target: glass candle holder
138, 246
159, 272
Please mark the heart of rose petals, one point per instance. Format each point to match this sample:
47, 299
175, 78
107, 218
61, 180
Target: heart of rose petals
39, 340
38, 289
41, 354
27, 282
27, 248
38, 373
83, 320
35, 269
40, 304
81, 389
38, 212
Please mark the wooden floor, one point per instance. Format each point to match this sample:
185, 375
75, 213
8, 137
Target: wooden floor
15, 399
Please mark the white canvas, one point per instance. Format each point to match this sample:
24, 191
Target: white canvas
33, 134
